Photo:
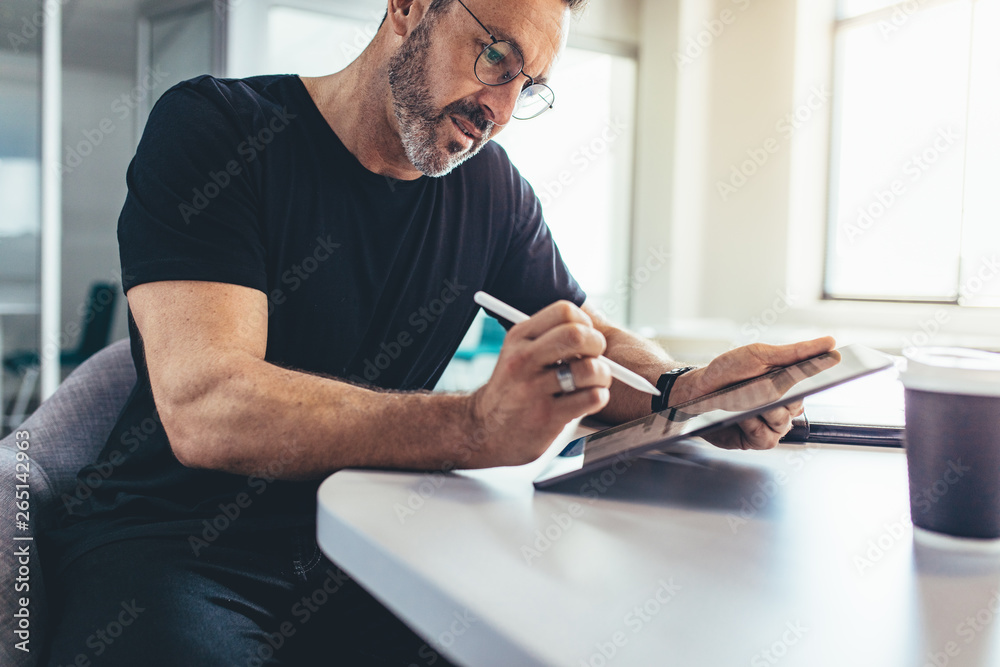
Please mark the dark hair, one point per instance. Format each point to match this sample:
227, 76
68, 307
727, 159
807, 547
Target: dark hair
575, 6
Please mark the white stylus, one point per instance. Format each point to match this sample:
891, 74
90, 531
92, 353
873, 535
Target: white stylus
514, 315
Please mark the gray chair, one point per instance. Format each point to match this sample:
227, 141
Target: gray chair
65, 433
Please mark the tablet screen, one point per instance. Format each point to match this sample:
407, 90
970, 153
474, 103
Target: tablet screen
722, 408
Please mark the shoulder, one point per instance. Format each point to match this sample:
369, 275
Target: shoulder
206, 102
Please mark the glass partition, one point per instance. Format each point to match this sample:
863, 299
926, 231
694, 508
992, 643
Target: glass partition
20, 191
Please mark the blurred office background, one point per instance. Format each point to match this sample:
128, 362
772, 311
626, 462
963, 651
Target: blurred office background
716, 172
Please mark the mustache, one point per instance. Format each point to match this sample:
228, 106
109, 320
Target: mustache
472, 113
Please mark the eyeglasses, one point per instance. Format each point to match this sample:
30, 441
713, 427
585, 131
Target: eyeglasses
500, 63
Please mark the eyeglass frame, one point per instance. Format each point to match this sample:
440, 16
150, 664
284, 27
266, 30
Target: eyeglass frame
531, 80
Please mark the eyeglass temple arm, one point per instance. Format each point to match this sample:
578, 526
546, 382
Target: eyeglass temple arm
478, 21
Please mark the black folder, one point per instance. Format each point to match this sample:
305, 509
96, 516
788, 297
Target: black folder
868, 411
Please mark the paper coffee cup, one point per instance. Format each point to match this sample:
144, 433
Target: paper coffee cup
953, 440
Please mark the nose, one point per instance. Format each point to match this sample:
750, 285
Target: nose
499, 102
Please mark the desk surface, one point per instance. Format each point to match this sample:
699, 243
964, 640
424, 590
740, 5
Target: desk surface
795, 556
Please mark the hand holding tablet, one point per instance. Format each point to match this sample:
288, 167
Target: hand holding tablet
724, 408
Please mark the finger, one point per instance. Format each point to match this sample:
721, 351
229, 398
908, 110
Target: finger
786, 355
795, 409
587, 373
757, 434
580, 403
730, 437
560, 312
778, 420
566, 342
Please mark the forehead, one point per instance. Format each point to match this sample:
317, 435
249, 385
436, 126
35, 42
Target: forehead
538, 28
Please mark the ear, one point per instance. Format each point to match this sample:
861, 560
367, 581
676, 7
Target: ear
404, 15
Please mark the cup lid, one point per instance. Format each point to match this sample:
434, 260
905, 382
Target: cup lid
954, 370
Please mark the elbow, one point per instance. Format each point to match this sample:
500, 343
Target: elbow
190, 412
181, 429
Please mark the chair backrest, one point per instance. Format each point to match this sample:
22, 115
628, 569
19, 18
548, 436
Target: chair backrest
65, 433
97, 320
69, 429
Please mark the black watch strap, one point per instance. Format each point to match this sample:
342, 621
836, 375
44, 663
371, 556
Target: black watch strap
665, 384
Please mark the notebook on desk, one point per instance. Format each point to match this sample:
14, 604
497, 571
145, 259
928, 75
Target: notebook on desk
868, 411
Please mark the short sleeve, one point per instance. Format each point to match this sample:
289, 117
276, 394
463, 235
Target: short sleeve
533, 274
192, 211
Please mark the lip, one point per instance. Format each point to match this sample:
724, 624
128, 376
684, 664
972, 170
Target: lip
465, 126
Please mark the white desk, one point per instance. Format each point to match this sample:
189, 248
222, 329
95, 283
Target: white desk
15, 299
824, 571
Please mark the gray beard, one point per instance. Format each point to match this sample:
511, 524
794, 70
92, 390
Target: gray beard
419, 122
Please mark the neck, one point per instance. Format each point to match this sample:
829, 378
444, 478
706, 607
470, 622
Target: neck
357, 104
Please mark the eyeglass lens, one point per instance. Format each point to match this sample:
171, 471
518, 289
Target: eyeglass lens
533, 101
498, 64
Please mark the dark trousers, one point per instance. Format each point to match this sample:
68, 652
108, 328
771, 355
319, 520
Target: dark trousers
262, 598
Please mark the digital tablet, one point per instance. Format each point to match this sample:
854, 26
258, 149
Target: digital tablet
717, 410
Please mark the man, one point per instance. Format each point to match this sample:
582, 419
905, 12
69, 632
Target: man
299, 258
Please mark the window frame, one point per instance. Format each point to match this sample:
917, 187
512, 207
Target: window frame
885, 321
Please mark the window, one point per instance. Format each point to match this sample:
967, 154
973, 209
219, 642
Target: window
310, 43
578, 157
913, 206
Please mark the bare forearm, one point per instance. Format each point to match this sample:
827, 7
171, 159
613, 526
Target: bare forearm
649, 360
262, 417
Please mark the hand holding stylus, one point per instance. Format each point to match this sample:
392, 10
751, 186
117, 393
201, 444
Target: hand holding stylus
548, 374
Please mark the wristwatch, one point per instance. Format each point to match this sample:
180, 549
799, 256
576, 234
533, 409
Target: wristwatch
665, 383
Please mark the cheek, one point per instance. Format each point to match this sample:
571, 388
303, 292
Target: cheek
451, 77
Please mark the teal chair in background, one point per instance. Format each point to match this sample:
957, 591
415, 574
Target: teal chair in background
489, 343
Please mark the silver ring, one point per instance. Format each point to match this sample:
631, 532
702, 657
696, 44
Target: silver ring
565, 376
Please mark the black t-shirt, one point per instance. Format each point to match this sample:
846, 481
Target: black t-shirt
368, 279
